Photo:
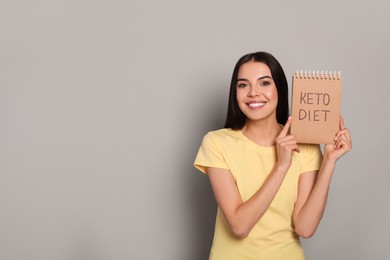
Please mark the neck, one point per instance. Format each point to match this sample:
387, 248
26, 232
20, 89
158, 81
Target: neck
262, 132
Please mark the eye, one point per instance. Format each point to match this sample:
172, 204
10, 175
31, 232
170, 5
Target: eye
241, 85
265, 83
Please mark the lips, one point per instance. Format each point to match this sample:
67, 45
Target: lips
256, 104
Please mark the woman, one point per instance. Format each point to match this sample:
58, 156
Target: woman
269, 189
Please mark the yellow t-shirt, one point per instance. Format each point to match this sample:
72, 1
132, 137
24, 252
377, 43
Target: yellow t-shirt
273, 236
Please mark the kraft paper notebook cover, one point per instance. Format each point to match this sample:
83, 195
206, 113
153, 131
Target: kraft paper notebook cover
316, 98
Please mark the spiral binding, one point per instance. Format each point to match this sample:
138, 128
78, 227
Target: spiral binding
317, 74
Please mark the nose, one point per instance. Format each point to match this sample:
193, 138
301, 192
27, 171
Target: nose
254, 91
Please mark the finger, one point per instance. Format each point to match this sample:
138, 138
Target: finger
344, 132
285, 128
343, 143
341, 123
281, 139
295, 148
288, 143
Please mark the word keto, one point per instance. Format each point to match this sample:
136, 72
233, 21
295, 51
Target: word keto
321, 100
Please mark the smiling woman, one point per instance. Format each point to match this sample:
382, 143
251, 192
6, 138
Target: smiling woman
270, 190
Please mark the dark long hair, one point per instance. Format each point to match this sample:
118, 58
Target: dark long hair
235, 118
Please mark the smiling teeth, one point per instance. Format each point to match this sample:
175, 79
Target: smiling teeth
256, 104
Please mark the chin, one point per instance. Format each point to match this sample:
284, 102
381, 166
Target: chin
260, 117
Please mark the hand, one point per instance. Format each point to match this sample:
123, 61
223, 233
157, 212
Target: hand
286, 145
342, 145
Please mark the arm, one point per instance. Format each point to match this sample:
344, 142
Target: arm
242, 216
313, 187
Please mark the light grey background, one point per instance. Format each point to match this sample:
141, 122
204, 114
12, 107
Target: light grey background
103, 105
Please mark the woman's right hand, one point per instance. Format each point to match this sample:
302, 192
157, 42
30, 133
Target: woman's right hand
286, 145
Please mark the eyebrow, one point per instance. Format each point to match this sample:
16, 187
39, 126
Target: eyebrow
263, 77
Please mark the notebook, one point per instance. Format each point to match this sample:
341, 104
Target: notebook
316, 100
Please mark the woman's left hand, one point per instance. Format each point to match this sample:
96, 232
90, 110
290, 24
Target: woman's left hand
342, 144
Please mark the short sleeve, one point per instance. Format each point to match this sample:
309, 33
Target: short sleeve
210, 154
312, 158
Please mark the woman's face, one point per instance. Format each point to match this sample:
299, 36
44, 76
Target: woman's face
257, 96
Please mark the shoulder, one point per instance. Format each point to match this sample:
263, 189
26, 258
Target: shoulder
222, 135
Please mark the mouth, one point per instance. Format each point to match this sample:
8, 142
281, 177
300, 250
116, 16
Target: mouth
256, 105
